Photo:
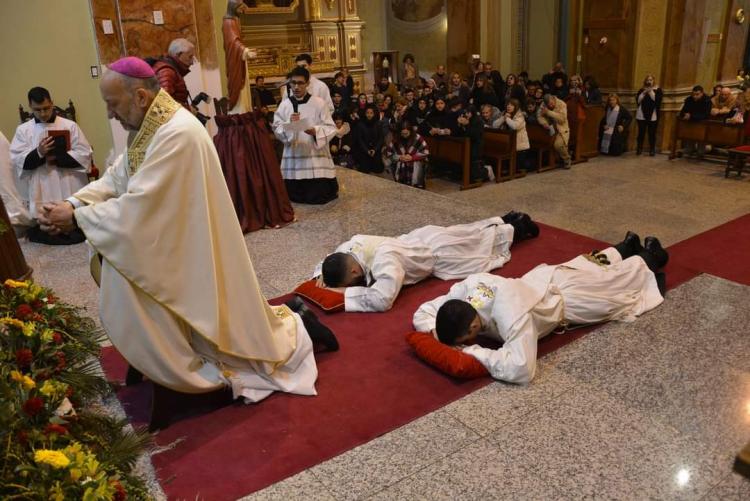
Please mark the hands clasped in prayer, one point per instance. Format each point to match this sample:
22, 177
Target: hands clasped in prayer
56, 217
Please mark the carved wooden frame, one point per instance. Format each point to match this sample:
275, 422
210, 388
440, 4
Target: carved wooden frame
271, 9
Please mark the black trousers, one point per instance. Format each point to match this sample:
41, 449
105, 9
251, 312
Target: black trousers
643, 126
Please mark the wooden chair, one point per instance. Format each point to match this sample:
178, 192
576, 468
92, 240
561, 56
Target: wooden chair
69, 112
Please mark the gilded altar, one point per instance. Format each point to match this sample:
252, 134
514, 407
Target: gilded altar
329, 30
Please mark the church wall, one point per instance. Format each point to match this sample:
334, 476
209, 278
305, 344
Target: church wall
374, 32
52, 44
463, 34
542, 36
427, 44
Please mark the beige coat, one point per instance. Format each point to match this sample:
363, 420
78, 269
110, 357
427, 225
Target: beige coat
557, 117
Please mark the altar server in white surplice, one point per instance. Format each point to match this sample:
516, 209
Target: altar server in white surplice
306, 165
14, 206
619, 283
370, 270
179, 297
45, 176
315, 87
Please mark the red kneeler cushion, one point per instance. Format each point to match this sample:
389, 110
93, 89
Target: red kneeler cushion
328, 300
444, 358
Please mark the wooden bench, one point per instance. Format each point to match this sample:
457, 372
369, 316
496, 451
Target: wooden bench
544, 144
499, 145
713, 132
587, 144
452, 151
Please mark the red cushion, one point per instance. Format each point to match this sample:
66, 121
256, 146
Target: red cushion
444, 358
330, 301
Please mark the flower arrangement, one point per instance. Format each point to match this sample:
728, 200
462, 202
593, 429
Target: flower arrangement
54, 446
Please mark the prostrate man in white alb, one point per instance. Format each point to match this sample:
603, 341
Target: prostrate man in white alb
49, 168
619, 283
179, 297
316, 87
307, 167
370, 270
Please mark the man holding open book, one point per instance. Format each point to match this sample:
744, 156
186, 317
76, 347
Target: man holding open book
51, 158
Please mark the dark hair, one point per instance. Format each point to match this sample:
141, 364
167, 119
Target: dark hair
337, 116
698, 88
338, 74
407, 90
336, 93
259, 77
454, 102
38, 95
335, 269
453, 320
299, 71
303, 57
408, 57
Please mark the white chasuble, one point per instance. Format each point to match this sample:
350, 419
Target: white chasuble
306, 156
179, 296
9, 184
49, 183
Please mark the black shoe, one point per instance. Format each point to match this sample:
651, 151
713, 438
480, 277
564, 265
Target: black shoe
511, 216
295, 304
653, 247
133, 377
524, 228
661, 283
630, 245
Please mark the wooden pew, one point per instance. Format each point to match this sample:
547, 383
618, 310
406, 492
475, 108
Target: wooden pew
453, 151
543, 144
588, 140
499, 145
713, 132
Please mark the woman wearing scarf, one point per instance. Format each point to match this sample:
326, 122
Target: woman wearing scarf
613, 129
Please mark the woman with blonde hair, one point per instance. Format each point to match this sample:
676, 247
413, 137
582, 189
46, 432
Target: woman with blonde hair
458, 89
613, 129
649, 104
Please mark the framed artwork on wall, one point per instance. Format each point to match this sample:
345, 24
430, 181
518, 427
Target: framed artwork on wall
270, 6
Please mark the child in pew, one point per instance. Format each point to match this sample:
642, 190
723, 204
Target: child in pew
370, 270
342, 143
619, 283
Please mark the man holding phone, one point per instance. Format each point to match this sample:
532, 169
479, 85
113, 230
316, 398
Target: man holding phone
51, 158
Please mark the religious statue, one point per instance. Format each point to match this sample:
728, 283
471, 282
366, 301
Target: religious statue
236, 54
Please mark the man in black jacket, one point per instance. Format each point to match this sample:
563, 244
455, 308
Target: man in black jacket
696, 107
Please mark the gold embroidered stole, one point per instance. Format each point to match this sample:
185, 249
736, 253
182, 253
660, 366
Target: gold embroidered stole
159, 113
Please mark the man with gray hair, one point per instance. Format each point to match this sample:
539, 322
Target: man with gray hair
171, 70
553, 116
179, 298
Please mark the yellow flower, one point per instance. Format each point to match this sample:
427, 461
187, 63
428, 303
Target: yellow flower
47, 335
12, 321
13, 284
55, 459
51, 388
75, 474
28, 329
25, 381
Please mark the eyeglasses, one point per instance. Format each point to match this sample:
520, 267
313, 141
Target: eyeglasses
297, 82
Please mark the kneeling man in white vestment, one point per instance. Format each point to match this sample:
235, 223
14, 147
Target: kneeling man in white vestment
51, 158
179, 297
370, 270
619, 283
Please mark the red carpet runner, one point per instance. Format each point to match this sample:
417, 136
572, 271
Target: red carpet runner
371, 386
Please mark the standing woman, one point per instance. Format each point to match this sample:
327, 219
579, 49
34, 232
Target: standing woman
647, 116
613, 129
368, 142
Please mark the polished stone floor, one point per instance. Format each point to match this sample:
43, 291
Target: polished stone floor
653, 409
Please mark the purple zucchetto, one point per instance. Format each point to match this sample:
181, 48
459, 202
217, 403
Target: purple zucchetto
132, 67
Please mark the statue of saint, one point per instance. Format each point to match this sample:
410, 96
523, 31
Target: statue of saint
235, 54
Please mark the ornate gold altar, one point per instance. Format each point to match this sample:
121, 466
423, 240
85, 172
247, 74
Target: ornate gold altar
278, 30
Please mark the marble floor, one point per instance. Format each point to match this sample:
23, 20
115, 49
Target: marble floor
653, 409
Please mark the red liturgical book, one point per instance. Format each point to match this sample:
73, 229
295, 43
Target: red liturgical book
64, 135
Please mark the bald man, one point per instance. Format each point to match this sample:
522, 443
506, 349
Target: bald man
178, 294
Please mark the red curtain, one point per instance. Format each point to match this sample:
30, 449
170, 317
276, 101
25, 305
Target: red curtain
252, 171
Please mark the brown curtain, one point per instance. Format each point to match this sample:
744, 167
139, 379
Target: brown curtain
252, 171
